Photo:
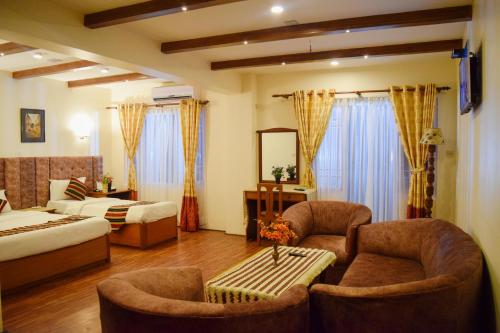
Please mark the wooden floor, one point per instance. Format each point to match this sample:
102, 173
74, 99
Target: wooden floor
69, 304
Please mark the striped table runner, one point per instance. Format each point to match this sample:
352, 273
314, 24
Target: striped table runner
256, 278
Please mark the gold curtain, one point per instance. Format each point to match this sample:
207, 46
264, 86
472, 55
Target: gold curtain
131, 122
414, 112
190, 120
312, 110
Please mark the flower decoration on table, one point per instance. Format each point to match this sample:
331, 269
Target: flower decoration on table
107, 182
277, 172
290, 170
278, 232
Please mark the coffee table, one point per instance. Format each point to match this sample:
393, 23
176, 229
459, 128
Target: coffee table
257, 278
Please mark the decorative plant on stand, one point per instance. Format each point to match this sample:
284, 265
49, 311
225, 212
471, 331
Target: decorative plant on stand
278, 232
290, 169
277, 172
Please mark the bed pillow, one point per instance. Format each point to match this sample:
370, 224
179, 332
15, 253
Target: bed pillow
76, 189
59, 186
5, 203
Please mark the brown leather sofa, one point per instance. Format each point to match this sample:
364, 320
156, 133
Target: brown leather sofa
329, 225
408, 276
172, 300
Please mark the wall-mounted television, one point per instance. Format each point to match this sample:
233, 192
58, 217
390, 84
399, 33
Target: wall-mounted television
470, 79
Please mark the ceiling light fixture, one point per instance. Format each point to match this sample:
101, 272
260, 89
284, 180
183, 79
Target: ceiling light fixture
2, 54
184, 8
245, 42
347, 31
283, 63
366, 56
277, 9
104, 70
334, 63
37, 55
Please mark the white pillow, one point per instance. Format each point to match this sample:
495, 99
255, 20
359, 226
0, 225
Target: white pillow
7, 207
59, 186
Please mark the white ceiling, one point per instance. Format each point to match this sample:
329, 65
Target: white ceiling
255, 14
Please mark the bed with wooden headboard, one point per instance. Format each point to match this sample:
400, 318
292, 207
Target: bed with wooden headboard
25, 180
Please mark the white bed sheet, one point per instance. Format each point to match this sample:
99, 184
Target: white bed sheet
99, 207
45, 240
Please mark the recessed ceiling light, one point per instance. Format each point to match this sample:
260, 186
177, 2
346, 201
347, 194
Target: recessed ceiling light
277, 9
283, 63
2, 54
347, 31
37, 55
245, 42
366, 56
104, 70
184, 8
334, 63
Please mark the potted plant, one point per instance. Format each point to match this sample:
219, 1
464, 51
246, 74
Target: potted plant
107, 182
290, 169
278, 232
277, 172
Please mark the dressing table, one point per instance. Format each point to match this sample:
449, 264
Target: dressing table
278, 147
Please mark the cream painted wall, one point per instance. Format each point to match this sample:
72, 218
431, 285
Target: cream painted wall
478, 180
439, 69
61, 105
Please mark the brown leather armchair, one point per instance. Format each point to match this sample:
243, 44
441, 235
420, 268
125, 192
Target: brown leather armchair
408, 276
329, 225
172, 300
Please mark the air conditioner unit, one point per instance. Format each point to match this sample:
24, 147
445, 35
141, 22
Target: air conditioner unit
172, 93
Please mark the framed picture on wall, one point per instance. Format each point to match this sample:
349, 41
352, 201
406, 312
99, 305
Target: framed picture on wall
32, 125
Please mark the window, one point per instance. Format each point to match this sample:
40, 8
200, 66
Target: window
160, 157
361, 158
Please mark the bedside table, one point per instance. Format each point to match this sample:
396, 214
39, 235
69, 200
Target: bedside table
119, 194
40, 209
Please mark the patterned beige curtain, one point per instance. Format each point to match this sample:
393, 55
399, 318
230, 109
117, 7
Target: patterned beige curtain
414, 111
131, 122
190, 118
312, 110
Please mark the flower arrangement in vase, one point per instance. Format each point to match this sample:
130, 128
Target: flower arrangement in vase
278, 232
107, 182
277, 172
290, 170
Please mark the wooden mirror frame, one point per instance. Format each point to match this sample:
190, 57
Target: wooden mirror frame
297, 162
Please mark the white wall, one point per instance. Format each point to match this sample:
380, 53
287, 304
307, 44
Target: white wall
61, 105
478, 179
439, 69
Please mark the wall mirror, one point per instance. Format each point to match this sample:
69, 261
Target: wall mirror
279, 148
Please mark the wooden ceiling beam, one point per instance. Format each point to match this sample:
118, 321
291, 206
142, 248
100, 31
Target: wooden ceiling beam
108, 79
146, 10
12, 48
375, 22
372, 51
53, 69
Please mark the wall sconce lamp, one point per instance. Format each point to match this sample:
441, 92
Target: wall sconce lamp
431, 137
81, 125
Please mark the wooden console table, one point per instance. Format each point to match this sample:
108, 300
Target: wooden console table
291, 196
119, 194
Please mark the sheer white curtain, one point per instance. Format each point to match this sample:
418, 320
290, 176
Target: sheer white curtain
361, 158
160, 161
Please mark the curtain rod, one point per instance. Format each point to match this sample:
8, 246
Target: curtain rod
359, 92
157, 105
